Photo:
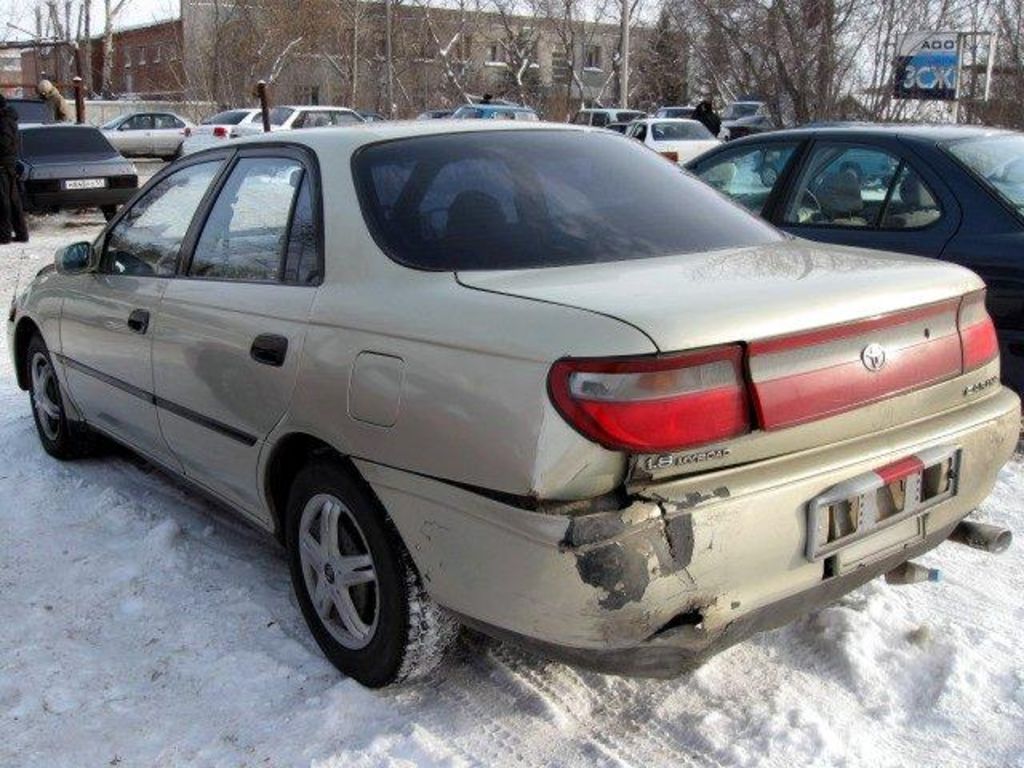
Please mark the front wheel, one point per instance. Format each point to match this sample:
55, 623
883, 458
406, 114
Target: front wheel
356, 584
61, 438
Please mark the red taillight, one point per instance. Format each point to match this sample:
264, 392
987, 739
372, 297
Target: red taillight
673, 156
220, 131
654, 404
977, 333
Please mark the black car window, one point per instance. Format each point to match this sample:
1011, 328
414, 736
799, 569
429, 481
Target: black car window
600, 119
640, 133
147, 239
59, 140
279, 115
749, 174
912, 204
541, 198
246, 231
842, 186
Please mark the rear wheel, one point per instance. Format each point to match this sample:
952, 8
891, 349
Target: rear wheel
61, 438
356, 584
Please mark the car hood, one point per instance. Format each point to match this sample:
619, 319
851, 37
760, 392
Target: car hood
702, 299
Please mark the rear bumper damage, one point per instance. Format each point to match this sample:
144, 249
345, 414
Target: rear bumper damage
689, 566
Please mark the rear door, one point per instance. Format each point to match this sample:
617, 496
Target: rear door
871, 195
108, 316
229, 336
752, 174
135, 135
167, 135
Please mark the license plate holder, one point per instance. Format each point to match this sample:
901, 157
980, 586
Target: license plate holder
85, 183
874, 501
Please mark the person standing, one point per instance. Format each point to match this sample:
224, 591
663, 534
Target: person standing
706, 114
12, 215
48, 92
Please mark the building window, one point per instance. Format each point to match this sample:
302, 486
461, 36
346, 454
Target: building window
142, 55
592, 57
127, 58
495, 55
156, 54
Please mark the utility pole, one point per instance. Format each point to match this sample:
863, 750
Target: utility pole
88, 46
387, 58
624, 57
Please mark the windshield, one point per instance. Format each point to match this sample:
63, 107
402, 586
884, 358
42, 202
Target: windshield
279, 114
55, 140
740, 109
527, 199
31, 111
112, 124
231, 117
679, 132
998, 161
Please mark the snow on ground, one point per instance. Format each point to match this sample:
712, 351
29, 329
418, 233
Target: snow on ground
140, 626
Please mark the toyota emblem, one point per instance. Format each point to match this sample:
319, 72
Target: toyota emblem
873, 357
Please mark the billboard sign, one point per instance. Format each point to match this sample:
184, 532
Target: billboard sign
926, 66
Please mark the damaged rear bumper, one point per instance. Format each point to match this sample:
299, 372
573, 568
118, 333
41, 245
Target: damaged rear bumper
688, 566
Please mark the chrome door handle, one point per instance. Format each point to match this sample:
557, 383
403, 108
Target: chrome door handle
138, 320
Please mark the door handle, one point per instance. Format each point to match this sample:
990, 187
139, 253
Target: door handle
269, 349
138, 320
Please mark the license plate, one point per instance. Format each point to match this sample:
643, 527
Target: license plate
885, 497
85, 183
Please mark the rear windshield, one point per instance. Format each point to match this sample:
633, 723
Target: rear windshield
58, 140
515, 200
679, 131
231, 117
32, 111
675, 112
998, 161
279, 114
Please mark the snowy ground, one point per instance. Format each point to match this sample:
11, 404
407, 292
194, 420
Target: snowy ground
139, 626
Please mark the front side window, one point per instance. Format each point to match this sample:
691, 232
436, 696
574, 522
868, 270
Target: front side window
246, 232
748, 175
528, 199
147, 239
341, 117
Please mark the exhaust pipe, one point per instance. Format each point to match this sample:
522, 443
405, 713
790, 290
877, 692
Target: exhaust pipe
984, 536
911, 573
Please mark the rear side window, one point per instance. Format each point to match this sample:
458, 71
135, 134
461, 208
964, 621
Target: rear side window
167, 121
246, 232
147, 239
537, 199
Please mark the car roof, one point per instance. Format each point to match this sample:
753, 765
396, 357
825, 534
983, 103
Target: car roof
335, 138
923, 132
685, 120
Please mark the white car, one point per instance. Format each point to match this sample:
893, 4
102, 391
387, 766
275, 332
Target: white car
229, 124
287, 118
147, 134
678, 140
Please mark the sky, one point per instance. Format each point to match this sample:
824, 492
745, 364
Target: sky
21, 13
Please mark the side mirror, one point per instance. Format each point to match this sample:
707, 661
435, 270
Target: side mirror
74, 259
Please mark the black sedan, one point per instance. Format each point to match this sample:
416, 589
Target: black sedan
949, 192
73, 166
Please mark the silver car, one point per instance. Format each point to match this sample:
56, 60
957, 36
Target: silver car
528, 378
147, 134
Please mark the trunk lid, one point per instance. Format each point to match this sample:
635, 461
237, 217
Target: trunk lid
703, 299
824, 331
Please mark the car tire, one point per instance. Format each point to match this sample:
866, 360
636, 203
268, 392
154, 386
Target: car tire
356, 584
61, 437
108, 211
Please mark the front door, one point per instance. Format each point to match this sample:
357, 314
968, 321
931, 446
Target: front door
229, 337
107, 319
869, 196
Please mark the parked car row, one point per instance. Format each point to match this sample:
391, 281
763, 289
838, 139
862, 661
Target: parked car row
537, 380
